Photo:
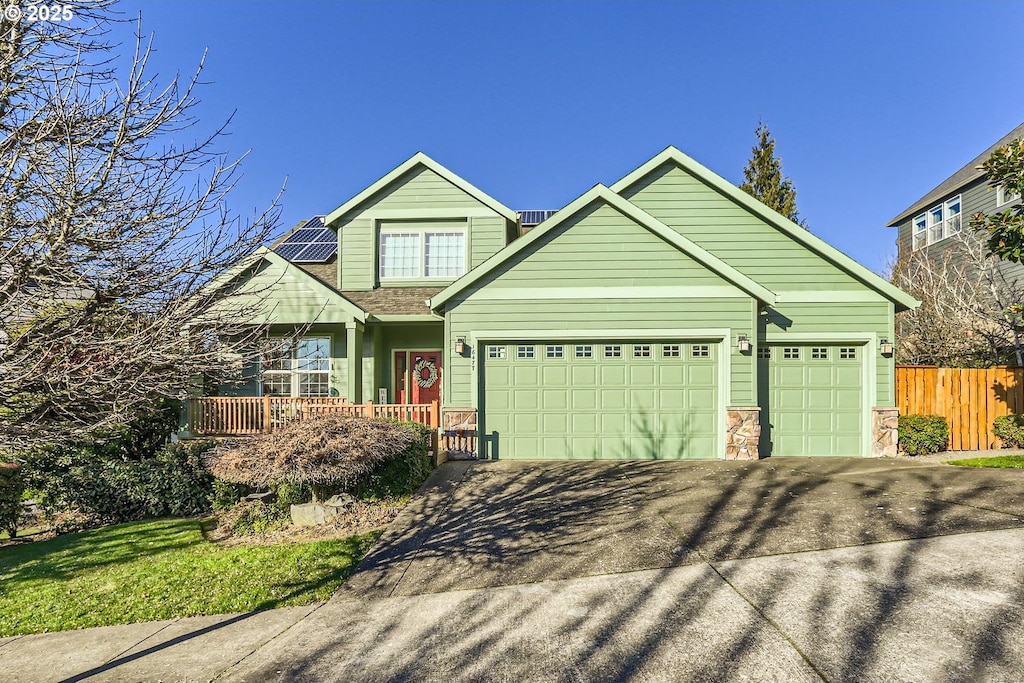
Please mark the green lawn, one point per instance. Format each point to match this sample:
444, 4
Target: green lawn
1003, 461
161, 569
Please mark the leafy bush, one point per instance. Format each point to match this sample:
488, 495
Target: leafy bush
254, 518
922, 434
108, 490
1010, 429
12, 486
289, 494
327, 451
402, 475
226, 494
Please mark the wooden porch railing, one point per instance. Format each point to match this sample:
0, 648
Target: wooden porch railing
241, 416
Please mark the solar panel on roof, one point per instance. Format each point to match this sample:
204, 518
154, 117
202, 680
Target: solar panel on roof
315, 252
311, 243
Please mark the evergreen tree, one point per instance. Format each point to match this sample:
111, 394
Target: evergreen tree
764, 179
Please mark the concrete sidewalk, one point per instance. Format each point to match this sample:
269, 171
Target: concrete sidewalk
782, 570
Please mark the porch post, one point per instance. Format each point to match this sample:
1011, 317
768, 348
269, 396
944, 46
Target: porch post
354, 355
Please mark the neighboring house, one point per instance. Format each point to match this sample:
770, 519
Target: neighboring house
932, 223
667, 316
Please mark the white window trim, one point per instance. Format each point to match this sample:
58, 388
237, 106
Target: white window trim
946, 224
1003, 198
294, 373
422, 233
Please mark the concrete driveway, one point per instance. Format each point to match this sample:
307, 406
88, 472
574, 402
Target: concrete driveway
779, 570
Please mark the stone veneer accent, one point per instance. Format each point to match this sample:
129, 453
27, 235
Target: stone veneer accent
884, 432
742, 433
458, 435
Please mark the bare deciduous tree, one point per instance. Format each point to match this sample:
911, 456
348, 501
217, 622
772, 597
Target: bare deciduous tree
970, 309
112, 221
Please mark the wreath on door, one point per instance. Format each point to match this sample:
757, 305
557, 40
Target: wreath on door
430, 378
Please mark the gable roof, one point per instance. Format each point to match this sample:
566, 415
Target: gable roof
601, 193
772, 217
965, 175
420, 159
320, 288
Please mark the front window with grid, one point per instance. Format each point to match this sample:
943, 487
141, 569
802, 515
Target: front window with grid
584, 351
555, 352
299, 368
848, 353
613, 351
937, 223
641, 350
700, 351
495, 351
670, 351
819, 353
524, 352
791, 353
422, 255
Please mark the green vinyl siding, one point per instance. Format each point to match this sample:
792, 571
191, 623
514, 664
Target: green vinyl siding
599, 271
418, 195
855, 322
283, 293
638, 404
730, 232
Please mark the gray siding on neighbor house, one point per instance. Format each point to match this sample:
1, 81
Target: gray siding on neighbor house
977, 196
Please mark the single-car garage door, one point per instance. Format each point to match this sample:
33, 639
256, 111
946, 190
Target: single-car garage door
811, 398
597, 399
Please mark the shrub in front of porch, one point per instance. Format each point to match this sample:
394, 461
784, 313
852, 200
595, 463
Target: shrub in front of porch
327, 454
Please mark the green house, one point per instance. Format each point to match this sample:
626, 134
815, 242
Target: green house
669, 315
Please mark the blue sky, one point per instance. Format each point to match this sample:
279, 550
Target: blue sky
871, 103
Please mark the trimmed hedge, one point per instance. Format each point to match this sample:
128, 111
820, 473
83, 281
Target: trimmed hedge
1010, 429
922, 434
105, 490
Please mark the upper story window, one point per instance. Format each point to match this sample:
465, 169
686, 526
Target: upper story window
938, 223
1004, 196
437, 254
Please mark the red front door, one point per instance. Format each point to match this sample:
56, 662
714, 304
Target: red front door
417, 376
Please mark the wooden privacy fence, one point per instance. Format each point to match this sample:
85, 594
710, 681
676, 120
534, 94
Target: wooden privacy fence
969, 398
239, 416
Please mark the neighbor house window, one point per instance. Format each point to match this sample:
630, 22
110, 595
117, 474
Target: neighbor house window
300, 367
1004, 196
938, 223
427, 254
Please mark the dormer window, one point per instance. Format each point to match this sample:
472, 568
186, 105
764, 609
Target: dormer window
421, 254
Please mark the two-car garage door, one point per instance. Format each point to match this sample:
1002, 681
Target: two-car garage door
660, 399
600, 399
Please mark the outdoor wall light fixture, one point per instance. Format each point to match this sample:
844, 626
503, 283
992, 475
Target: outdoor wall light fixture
743, 344
885, 346
460, 345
